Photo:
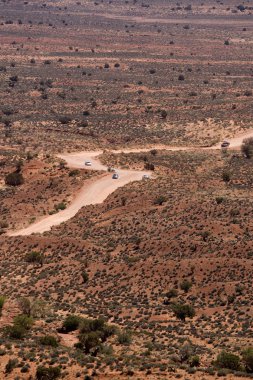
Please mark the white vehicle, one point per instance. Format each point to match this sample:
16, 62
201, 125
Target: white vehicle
115, 176
225, 144
145, 176
87, 163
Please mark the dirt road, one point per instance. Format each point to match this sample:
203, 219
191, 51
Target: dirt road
97, 191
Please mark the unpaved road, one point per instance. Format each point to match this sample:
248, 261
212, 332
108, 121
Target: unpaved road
97, 191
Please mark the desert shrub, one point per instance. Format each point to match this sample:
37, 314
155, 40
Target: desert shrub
93, 332
85, 277
160, 200
24, 321
48, 373
181, 77
60, 206
16, 332
186, 285
164, 114
226, 176
8, 111
71, 323
49, 340
14, 179
64, 120
194, 361
247, 147
11, 364
90, 341
124, 337
228, 360
74, 173
182, 311
34, 257
247, 356
149, 166
172, 293
219, 200
2, 301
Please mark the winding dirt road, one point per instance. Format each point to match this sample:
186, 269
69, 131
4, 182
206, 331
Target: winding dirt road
96, 191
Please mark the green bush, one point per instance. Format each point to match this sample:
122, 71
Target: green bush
182, 311
228, 360
14, 179
124, 337
247, 356
48, 373
49, 340
24, 321
94, 332
60, 206
194, 361
34, 257
186, 285
2, 301
12, 363
85, 277
71, 323
16, 332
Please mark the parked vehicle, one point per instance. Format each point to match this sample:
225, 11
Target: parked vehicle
225, 144
145, 176
115, 176
87, 163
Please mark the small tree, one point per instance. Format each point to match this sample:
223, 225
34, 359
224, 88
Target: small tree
247, 147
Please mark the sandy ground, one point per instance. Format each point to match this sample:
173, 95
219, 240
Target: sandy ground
98, 190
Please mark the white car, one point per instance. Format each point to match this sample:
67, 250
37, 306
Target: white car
87, 163
115, 176
225, 144
145, 176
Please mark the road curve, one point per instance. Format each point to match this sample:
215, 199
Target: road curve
93, 192
97, 190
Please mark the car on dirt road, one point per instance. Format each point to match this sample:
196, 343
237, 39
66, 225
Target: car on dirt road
115, 176
225, 144
87, 163
145, 176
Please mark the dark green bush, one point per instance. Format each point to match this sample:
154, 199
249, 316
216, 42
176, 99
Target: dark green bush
71, 323
228, 360
14, 179
49, 340
182, 311
48, 373
247, 356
